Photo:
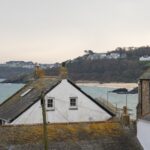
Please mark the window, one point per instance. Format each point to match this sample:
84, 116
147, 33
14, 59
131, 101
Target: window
50, 104
73, 103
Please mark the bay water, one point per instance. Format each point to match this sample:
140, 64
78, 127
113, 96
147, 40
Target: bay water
8, 89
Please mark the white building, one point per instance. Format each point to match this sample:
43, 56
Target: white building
143, 130
113, 56
144, 58
65, 102
96, 56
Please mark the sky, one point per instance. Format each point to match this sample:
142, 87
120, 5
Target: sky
49, 31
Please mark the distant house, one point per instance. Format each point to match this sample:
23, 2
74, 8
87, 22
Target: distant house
143, 111
65, 102
21, 64
113, 56
144, 58
96, 56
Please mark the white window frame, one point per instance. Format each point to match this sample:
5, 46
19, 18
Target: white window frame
50, 108
73, 107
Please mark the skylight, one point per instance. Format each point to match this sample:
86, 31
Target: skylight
26, 92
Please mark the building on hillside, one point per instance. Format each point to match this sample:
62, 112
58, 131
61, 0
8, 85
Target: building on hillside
96, 56
65, 103
21, 64
144, 58
143, 111
113, 56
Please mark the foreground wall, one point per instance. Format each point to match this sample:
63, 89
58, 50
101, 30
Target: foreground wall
143, 133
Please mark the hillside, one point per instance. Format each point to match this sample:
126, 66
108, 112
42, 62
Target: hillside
125, 67
120, 65
13, 73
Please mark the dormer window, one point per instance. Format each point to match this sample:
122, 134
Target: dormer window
73, 103
50, 104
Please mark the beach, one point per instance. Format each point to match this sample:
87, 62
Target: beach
108, 85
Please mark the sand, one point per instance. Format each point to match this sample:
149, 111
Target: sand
110, 85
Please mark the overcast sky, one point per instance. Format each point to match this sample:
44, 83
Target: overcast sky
55, 30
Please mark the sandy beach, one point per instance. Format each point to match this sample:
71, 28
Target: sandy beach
109, 85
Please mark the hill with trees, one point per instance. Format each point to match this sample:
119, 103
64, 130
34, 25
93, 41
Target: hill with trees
119, 65
122, 69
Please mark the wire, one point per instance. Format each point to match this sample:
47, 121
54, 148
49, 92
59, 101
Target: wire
80, 106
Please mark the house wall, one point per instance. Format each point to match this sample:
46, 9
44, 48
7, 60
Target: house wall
143, 130
87, 109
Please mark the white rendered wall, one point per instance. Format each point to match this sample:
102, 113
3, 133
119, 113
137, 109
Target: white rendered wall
87, 109
143, 133
32, 116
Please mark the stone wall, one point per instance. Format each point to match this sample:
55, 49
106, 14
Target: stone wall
144, 98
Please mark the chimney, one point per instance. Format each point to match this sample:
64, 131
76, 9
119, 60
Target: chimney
39, 73
63, 71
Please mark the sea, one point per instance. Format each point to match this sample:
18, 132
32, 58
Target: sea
118, 100
8, 89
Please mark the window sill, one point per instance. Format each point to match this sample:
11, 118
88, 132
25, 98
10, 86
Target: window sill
50, 109
73, 108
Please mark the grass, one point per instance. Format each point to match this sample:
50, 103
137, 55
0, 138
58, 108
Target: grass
58, 132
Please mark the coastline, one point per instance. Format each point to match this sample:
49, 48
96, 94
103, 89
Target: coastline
109, 85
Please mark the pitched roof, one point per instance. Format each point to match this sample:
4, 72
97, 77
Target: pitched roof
25, 98
30, 94
146, 75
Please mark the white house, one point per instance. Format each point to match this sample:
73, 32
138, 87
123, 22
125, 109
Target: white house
143, 130
96, 56
144, 58
65, 103
113, 56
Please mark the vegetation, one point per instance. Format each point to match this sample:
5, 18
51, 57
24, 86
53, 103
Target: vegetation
58, 132
9, 73
127, 68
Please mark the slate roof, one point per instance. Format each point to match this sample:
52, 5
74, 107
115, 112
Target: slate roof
145, 75
17, 104
22, 100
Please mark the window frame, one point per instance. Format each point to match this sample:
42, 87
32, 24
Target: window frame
53, 103
76, 102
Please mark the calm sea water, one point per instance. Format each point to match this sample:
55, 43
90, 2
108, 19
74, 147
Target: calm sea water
7, 89
115, 99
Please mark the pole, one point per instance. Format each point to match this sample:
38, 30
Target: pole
126, 100
107, 97
45, 139
116, 108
